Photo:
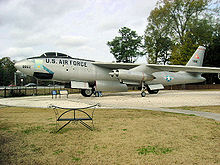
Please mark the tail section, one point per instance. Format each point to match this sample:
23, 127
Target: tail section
197, 58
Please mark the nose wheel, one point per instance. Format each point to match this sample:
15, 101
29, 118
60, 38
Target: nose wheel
143, 93
143, 89
87, 92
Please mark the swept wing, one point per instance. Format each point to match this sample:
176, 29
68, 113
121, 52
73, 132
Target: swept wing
110, 65
159, 68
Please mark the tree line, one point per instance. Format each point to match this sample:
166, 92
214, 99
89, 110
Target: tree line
175, 29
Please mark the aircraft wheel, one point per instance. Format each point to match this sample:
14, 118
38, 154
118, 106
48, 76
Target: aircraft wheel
143, 94
86, 92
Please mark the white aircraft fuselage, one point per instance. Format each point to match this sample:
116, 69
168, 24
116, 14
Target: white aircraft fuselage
98, 76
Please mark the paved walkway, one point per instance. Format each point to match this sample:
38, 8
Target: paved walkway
208, 115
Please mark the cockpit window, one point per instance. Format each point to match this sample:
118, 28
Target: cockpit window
50, 54
62, 55
54, 55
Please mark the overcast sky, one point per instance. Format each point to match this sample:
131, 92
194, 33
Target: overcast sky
79, 28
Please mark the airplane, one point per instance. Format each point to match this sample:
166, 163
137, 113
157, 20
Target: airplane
91, 76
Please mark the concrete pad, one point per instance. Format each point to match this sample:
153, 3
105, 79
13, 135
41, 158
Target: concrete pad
165, 98
131, 100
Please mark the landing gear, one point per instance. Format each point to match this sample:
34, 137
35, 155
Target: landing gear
143, 89
87, 92
143, 93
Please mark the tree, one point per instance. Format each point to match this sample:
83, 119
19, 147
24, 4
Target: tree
127, 47
157, 41
180, 13
7, 70
176, 21
1, 73
212, 57
200, 32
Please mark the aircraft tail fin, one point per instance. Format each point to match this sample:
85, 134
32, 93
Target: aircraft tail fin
197, 57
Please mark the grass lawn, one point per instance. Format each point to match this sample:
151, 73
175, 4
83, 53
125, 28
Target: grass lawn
120, 137
213, 109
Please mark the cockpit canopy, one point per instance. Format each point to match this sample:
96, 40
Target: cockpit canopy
52, 55
57, 55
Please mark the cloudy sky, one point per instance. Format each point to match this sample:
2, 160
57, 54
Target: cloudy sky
79, 28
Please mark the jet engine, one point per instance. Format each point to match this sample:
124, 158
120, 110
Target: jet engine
123, 74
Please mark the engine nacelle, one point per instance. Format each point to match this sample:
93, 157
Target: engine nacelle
114, 86
123, 74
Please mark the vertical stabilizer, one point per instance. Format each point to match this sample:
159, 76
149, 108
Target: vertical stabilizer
197, 58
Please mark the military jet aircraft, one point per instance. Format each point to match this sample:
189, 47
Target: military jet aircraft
91, 76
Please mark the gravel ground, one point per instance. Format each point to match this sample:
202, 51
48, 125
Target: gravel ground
163, 99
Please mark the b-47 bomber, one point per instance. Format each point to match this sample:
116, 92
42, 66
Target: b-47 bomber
91, 76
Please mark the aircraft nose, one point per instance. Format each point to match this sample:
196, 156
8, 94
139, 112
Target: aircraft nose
25, 66
18, 65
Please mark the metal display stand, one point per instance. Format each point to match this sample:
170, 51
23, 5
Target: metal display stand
76, 112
